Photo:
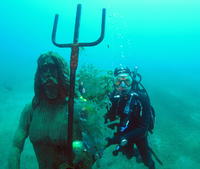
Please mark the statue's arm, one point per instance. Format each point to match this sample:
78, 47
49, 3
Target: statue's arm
19, 139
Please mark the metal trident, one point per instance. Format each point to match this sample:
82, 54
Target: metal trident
73, 66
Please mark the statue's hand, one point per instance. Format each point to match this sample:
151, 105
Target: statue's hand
79, 151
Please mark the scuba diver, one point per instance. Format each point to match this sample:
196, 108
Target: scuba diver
130, 104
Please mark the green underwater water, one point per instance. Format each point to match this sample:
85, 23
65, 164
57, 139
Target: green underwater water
161, 37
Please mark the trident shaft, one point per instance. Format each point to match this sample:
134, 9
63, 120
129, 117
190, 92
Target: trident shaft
73, 66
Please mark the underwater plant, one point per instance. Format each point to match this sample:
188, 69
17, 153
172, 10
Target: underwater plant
95, 83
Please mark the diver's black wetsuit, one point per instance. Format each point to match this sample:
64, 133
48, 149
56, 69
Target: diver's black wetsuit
134, 112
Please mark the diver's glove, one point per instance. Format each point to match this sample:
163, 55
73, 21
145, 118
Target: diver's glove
120, 140
123, 142
120, 146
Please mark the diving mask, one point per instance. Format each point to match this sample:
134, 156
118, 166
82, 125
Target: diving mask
125, 78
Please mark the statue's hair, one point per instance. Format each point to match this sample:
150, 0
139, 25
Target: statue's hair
63, 77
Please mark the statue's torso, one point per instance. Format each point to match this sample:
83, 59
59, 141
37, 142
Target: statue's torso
49, 125
48, 134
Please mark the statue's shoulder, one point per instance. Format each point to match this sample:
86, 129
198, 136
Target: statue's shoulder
28, 110
26, 116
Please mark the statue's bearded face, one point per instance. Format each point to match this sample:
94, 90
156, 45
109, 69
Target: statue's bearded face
49, 78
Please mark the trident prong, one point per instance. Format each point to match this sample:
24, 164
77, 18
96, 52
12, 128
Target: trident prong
73, 66
76, 32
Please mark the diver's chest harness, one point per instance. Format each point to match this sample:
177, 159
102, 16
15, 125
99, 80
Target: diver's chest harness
129, 109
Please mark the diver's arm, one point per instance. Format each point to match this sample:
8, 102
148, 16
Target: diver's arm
19, 140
